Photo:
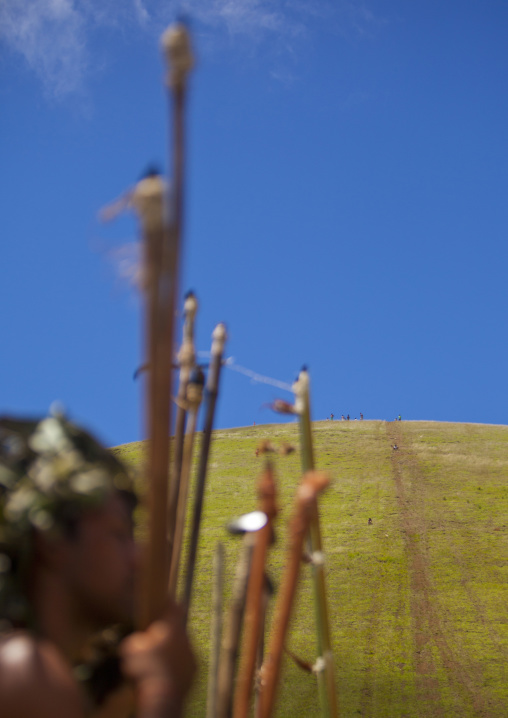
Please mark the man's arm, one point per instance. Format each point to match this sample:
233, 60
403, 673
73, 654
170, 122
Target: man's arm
161, 663
36, 681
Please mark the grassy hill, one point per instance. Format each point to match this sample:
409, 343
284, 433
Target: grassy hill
419, 599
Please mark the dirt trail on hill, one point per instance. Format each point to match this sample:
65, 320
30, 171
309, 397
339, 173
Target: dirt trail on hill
433, 653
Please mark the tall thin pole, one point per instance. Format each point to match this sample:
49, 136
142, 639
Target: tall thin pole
326, 680
149, 200
211, 391
216, 630
255, 590
193, 399
231, 637
186, 362
306, 495
162, 249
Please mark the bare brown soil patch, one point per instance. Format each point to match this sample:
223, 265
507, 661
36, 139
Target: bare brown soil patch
434, 654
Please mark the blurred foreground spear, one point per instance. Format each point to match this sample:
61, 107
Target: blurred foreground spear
306, 504
247, 525
149, 199
176, 45
162, 251
255, 593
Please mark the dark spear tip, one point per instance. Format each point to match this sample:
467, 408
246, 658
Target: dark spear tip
189, 294
197, 376
152, 170
305, 369
140, 370
190, 302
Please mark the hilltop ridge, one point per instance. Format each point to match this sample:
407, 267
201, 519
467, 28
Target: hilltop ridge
418, 597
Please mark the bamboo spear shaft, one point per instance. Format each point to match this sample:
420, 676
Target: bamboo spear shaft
216, 630
306, 499
260, 655
253, 615
193, 398
219, 337
326, 680
161, 246
161, 251
162, 255
231, 638
149, 200
186, 362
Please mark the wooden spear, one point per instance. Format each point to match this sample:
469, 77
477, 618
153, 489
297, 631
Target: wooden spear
267, 593
193, 397
306, 499
255, 591
326, 680
176, 47
231, 638
149, 199
219, 337
162, 250
186, 362
216, 630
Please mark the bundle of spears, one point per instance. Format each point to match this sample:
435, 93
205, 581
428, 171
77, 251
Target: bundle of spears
230, 688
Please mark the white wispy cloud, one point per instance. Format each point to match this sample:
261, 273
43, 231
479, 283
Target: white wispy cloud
239, 16
54, 36
51, 36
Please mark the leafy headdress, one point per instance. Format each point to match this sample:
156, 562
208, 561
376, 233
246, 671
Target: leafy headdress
50, 472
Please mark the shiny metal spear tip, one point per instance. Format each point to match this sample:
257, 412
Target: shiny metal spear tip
247, 523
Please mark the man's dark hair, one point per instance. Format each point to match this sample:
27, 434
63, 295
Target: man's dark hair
51, 472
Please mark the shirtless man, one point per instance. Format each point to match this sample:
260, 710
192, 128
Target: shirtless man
67, 572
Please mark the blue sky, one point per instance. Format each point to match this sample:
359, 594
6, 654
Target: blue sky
346, 203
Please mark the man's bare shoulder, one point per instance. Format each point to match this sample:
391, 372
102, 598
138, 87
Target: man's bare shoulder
35, 680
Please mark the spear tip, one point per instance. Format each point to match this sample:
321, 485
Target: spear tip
219, 337
190, 305
197, 376
152, 170
177, 48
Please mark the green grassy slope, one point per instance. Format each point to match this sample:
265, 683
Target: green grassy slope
418, 600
